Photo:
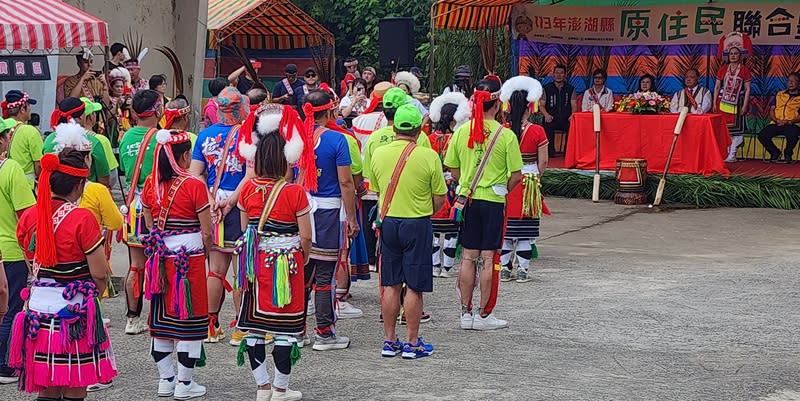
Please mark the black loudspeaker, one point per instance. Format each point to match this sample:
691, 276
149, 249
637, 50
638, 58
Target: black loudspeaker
396, 40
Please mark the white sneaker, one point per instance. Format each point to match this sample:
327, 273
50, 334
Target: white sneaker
166, 388
330, 343
192, 390
263, 395
488, 323
437, 271
306, 340
135, 326
467, 321
448, 274
288, 395
98, 387
347, 311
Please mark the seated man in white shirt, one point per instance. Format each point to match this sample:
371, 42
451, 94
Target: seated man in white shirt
693, 95
598, 93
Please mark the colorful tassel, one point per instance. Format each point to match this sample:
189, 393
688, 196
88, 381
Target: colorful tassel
295, 354
187, 299
202, 361
219, 234
247, 251
241, 352
17, 341
531, 196
282, 293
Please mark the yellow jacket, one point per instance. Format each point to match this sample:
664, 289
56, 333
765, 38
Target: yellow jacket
787, 107
97, 198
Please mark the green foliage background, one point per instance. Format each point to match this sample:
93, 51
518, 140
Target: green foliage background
354, 24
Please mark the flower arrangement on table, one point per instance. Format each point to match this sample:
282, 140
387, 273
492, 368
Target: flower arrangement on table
643, 103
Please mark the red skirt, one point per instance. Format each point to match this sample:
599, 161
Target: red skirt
259, 310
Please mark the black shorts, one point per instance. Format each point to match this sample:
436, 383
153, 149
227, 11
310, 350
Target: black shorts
233, 227
482, 228
405, 253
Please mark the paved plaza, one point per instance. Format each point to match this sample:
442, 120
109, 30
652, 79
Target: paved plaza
628, 303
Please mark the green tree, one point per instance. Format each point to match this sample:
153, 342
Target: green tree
354, 24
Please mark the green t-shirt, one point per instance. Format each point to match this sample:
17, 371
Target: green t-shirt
383, 136
109, 151
99, 159
26, 148
15, 195
504, 160
129, 151
355, 155
420, 180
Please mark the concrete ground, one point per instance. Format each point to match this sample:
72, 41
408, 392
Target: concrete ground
628, 303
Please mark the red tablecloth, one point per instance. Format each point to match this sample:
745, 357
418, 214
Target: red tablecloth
701, 149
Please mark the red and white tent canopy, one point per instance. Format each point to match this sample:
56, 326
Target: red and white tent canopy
48, 25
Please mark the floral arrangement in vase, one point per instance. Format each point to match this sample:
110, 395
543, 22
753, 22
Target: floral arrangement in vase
643, 103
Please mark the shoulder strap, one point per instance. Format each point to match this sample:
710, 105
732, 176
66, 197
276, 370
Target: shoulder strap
11, 134
137, 168
386, 202
2, 162
271, 201
223, 160
167, 203
288, 87
484, 161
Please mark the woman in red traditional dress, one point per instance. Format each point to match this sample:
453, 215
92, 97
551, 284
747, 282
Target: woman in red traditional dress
273, 250
732, 89
447, 112
59, 341
524, 205
176, 209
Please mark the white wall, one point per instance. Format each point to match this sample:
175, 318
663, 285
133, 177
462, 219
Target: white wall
44, 92
179, 24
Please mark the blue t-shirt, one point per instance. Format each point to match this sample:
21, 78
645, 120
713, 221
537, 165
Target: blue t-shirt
331, 153
280, 90
208, 150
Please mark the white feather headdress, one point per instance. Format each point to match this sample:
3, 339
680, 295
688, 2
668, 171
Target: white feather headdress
407, 78
71, 135
270, 122
462, 113
521, 83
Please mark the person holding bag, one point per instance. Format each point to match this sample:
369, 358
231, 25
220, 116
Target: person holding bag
485, 158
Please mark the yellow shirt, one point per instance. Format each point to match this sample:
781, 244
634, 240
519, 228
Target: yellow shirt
504, 160
97, 198
419, 181
383, 136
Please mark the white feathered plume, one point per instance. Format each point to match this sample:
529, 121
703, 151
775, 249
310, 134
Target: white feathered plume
267, 123
521, 83
462, 114
71, 135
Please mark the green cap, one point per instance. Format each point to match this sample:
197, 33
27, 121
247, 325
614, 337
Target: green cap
7, 124
394, 98
407, 118
91, 107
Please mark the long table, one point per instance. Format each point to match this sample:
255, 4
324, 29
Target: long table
701, 149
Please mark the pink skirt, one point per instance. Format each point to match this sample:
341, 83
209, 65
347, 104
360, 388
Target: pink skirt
42, 348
